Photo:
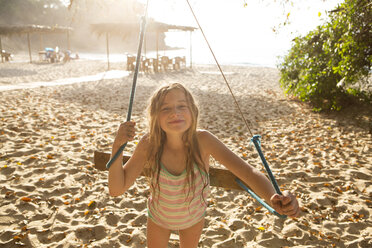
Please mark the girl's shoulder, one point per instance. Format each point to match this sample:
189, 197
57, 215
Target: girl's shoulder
205, 138
202, 133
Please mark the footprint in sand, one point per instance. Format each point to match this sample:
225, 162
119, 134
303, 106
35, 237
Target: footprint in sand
88, 233
112, 219
127, 217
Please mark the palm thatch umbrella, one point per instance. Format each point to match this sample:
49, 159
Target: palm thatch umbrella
133, 28
29, 29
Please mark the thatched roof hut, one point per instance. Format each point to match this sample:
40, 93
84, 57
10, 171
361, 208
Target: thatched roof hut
29, 29
25, 29
133, 28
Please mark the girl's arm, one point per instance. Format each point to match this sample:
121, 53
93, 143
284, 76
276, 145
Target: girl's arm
256, 180
122, 177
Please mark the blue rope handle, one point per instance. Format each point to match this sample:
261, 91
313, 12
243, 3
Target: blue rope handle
131, 100
267, 206
256, 141
257, 144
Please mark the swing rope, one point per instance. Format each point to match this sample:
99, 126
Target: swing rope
255, 139
133, 91
219, 67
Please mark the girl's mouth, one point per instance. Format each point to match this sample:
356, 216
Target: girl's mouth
175, 121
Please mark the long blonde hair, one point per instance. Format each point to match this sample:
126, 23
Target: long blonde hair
157, 139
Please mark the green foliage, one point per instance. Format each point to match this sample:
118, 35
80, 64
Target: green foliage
324, 66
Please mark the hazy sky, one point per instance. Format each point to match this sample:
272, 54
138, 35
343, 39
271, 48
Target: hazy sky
238, 33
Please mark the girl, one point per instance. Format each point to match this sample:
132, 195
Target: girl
177, 155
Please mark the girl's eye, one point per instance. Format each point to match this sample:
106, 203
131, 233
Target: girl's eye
164, 109
182, 107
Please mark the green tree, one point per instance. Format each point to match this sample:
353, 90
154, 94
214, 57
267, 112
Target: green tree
325, 66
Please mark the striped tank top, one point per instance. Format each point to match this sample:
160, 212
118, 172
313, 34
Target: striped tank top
174, 207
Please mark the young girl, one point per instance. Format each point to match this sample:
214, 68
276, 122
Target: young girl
177, 155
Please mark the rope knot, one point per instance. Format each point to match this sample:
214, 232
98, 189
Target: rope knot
256, 138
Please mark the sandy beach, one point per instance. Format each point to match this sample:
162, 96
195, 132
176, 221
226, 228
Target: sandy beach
52, 196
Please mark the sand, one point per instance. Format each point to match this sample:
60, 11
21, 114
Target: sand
52, 196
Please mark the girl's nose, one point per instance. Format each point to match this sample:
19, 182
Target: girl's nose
175, 111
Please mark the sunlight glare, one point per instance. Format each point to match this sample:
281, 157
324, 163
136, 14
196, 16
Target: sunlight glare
237, 31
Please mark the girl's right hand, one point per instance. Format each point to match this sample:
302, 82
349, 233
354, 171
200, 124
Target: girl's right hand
126, 132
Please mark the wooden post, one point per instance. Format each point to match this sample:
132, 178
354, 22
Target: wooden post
41, 46
157, 46
145, 47
1, 51
68, 40
41, 42
190, 49
29, 46
107, 49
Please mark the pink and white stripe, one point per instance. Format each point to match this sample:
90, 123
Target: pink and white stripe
175, 207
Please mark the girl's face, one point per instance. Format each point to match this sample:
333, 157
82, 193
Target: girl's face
175, 115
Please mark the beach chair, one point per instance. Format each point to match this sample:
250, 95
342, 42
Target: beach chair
177, 61
165, 62
51, 55
145, 64
131, 61
183, 61
154, 64
5, 56
42, 55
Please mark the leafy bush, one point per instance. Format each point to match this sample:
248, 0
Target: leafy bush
326, 65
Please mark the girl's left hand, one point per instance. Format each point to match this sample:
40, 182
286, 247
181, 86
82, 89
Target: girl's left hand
286, 204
